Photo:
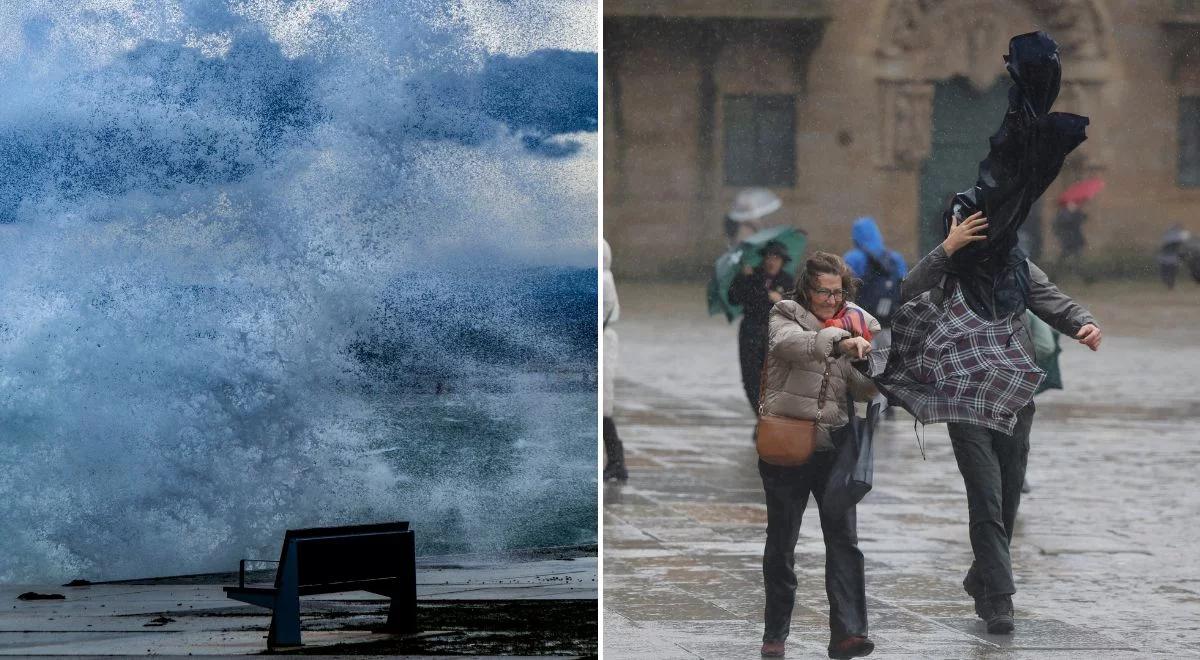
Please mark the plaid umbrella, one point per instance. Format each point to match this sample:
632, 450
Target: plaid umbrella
949, 364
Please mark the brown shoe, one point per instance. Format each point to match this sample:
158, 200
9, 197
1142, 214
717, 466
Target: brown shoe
772, 649
851, 647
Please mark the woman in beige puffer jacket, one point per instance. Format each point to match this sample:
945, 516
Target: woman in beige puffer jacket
799, 349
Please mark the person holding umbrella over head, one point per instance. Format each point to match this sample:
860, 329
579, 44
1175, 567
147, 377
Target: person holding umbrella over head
962, 353
1068, 224
757, 290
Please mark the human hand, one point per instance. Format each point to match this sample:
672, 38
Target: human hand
774, 296
856, 347
1090, 336
964, 233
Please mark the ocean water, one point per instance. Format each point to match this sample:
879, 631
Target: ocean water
269, 264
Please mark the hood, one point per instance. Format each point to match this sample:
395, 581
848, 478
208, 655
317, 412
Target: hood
866, 236
607, 255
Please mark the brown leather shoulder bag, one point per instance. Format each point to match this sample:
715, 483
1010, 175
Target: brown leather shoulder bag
784, 440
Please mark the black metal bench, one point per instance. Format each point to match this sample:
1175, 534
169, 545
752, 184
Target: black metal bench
378, 558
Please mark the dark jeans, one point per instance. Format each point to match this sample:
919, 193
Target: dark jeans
787, 490
993, 469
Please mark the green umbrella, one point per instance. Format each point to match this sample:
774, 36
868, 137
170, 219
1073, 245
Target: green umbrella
746, 254
1045, 351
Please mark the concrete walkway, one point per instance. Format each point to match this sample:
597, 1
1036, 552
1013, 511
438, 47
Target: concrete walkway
186, 618
1107, 549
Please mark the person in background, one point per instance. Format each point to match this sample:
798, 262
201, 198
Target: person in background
880, 271
879, 268
1175, 248
757, 290
1068, 229
614, 451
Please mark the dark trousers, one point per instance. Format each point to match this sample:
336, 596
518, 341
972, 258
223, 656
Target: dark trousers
993, 469
787, 490
614, 450
752, 352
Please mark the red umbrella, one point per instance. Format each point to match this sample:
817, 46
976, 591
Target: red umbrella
1080, 191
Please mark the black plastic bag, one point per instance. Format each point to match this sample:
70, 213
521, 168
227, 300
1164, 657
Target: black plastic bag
854, 467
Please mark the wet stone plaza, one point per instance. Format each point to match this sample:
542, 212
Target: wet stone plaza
1107, 546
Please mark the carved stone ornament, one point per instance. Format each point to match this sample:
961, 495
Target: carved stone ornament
932, 40
906, 123
913, 25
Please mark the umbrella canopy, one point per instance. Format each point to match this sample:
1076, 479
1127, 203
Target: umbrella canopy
1081, 191
747, 254
1045, 351
754, 204
1024, 157
952, 365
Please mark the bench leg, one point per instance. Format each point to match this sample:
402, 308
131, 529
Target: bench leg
285, 617
402, 613
285, 623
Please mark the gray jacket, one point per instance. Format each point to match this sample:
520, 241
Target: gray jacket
1046, 301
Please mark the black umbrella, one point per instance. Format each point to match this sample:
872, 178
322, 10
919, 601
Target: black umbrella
1025, 156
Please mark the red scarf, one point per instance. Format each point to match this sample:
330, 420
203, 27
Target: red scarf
852, 320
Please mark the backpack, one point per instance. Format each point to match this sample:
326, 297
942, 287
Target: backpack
880, 287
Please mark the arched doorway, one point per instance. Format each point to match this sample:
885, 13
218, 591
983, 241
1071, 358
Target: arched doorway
937, 52
962, 120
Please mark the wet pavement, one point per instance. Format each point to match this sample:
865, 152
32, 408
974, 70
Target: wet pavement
1107, 546
478, 606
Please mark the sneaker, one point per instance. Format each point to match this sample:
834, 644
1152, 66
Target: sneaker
974, 589
1000, 615
772, 649
851, 647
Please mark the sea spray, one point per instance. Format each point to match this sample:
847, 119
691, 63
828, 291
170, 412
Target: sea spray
261, 270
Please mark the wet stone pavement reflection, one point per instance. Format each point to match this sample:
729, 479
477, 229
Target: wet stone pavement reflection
1107, 546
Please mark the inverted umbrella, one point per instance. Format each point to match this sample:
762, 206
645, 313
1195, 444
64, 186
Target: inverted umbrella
744, 254
1025, 156
1081, 191
949, 364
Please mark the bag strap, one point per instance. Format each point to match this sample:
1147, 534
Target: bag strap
762, 382
824, 388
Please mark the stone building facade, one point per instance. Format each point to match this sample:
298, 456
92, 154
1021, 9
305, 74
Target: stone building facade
881, 108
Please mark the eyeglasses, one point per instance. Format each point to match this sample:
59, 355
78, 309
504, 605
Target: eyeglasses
826, 294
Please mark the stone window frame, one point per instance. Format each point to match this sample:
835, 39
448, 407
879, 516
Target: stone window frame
1187, 167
